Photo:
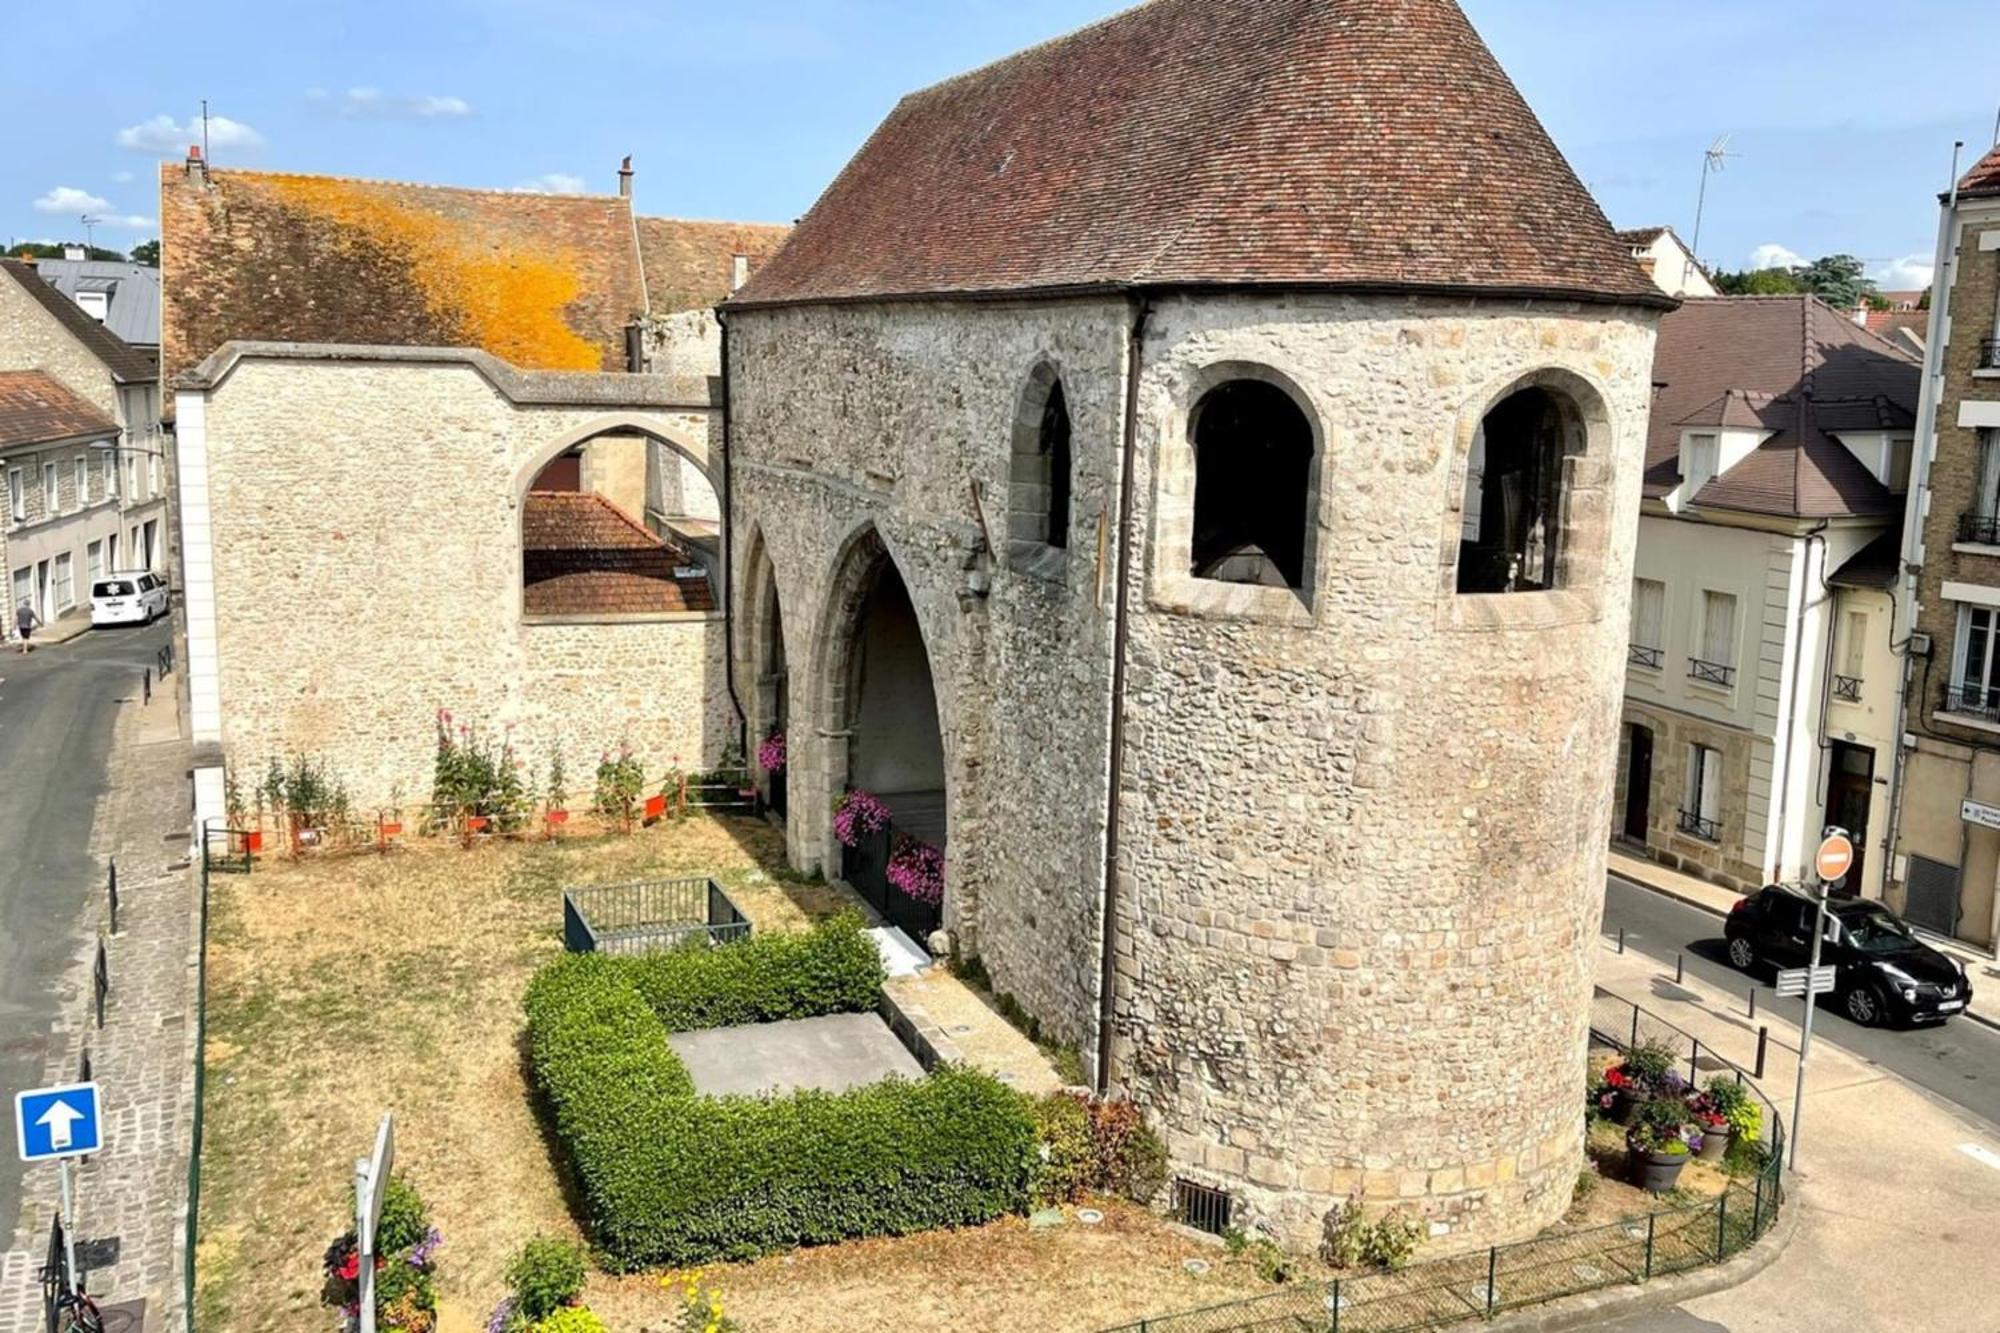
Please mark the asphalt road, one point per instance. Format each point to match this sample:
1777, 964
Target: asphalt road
57, 706
1959, 1061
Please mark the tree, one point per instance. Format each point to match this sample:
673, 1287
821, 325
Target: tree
44, 250
1759, 282
1837, 280
147, 253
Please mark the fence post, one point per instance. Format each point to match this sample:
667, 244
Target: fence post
1757, 1209
1721, 1224
111, 891
1492, 1277
1763, 1040
1335, 1326
1635, 1028
1694, 1062
1650, 1218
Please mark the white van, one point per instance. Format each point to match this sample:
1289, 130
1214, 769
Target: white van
128, 599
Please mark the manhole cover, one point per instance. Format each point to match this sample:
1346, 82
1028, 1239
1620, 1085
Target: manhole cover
1198, 1267
1090, 1217
1484, 1294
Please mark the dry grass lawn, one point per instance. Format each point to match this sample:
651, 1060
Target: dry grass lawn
342, 986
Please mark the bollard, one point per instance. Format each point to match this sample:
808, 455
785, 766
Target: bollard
1763, 1040
111, 893
1753, 1004
146, 685
101, 979
1680, 968
1621, 939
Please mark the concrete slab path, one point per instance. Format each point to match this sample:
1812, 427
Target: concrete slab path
833, 1053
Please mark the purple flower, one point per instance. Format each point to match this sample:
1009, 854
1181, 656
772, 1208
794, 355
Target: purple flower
917, 868
859, 813
501, 1314
422, 1252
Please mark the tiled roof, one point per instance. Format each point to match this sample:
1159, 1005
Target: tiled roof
1641, 237
690, 265
1875, 565
1887, 322
37, 408
1361, 144
1788, 364
1984, 178
126, 363
582, 555
542, 281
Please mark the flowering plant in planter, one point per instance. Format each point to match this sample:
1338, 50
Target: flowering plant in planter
917, 868
619, 782
405, 1266
771, 754
858, 814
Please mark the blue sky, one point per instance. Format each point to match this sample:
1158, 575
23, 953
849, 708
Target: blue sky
1843, 113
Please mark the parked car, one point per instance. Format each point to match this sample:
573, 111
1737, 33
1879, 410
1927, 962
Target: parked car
1882, 972
128, 599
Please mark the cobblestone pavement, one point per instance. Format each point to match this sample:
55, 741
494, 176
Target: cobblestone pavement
131, 1198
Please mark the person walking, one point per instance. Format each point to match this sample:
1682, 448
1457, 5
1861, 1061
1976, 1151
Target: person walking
25, 620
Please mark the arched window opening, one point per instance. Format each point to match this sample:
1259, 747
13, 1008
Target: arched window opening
1514, 494
1253, 453
587, 552
1039, 482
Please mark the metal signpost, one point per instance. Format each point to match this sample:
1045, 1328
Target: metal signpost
1834, 860
371, 1182
56, 1124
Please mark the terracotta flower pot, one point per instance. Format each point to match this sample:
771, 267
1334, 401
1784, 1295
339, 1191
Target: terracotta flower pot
656, 806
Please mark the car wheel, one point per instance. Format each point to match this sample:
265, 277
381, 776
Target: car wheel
1741, 955
1865, 1006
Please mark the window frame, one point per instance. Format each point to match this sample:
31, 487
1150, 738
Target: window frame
1961, 653
1643, 653
80, 474
17, 496
1701, 792
1709, 668
62, 582
51, 489
1692, 478
1032, 460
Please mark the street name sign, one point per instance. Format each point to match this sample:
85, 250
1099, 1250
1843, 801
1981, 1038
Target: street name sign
1792, 981
51, 1123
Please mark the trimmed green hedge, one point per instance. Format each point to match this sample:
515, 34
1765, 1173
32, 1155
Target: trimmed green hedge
670, 1177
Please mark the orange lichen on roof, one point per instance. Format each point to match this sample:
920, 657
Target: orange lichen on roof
508, 300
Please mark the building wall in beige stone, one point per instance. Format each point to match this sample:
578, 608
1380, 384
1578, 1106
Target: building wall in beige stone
1719, 860
1929, 824
33, 339
1362, 834
616, 467
366, 532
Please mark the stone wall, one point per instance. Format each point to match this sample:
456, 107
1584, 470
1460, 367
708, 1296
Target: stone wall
367, 571
33, 339
1362, 829
1719, 860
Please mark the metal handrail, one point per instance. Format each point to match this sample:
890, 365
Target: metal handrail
1975, 701
1848, 688
1711, 673
1650, 658
1708, 829
1989, 353
1978, 529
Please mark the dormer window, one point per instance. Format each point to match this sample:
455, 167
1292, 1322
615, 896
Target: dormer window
95, 304
1700, 460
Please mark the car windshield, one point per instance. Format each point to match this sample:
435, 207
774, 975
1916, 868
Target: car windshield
1877, 932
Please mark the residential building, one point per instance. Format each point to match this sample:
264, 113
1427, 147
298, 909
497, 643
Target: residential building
41, 329
1761, 686
62, 517
122, 296
1948, 826
1669, 263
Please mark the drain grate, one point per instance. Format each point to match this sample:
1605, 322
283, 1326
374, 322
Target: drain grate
1202, 1207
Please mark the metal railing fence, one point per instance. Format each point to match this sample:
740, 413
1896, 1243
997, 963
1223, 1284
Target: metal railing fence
1484, 1284
649, 914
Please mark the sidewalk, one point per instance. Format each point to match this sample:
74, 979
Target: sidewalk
1891, 1194
131, 1198
1981, 967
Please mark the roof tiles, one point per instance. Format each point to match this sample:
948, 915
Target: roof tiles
583, 556
1363, 144
37, 408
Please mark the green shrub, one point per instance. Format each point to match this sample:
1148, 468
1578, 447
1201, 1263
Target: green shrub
545, 1276
668, 1177
570, 1319
1068, 1153
1351, 1239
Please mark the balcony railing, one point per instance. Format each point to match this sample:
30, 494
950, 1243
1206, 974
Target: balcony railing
1977, 701
1707, 829
1989, 353
1979, 529
1650, 658
1848, 688
1711, 673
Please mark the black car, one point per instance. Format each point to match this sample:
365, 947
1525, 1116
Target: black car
1882, 971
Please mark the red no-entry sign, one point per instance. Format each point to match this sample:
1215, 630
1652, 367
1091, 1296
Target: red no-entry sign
1836, 857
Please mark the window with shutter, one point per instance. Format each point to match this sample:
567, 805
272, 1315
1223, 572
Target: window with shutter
1718, 633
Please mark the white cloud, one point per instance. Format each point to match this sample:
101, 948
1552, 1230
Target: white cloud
69, 199
554, 182
1911, 273
375, 102
163, 134
134, 221
1777, 256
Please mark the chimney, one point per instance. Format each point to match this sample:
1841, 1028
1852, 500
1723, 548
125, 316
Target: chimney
625, 178
739, 271
195, 163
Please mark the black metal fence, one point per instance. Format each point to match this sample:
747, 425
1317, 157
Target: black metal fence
1711, 673
1487, 1283
729, 790
1989, 353
225, 851
866, 866
1971, 701
648, 915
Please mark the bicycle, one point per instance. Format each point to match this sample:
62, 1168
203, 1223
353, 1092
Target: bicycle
77, 1313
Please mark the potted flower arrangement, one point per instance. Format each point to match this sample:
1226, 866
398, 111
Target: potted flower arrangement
1712, 1124
772, 757
555, 803
1742, 1117
917, 868
858, 814
1660, 1143
1646, 1073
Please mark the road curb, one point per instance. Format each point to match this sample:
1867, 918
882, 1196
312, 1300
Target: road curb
1991, 1024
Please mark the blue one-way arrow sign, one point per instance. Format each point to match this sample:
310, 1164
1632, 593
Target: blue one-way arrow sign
57, 1122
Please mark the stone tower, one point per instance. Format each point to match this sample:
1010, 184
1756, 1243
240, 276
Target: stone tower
1191, 468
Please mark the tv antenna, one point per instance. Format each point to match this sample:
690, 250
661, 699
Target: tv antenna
89, 233
1714, 160
204, 130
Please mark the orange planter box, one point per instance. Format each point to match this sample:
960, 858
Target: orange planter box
476, 823
655, 806
557, 816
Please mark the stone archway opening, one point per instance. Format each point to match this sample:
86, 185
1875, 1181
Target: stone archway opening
774, 705
884, 744
1516, 493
